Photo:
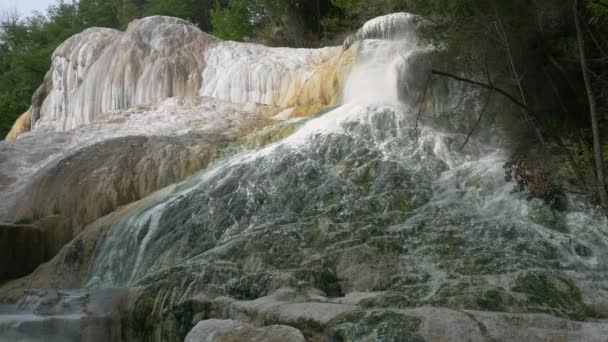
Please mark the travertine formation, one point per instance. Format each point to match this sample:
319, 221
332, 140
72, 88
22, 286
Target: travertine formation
236, 192
239, 72
101, 70
392, 26
123, 156
22, 125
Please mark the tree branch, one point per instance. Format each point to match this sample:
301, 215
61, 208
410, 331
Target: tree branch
483, 110
594, 115
529, 114
484, 85
420, 104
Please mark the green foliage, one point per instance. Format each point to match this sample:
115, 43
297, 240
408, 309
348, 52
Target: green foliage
598, 10
25, 49
346, 4
173, 8
26, 44
552, 293
101, 13
232, 22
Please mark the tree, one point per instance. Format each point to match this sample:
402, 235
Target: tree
26, 45
201, 14
101, 13
173, 8
232, 22
597, 145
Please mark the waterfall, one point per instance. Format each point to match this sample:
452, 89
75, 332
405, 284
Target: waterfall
370, 203
368, 160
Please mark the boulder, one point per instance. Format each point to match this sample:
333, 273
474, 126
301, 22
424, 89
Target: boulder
215, 330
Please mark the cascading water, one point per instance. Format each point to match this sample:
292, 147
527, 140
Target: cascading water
364, 173
375, 78
371, 117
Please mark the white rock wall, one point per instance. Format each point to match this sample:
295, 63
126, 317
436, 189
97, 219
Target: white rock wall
98, 71
240, 72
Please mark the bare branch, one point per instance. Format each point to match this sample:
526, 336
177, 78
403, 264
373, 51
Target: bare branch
486, 86
594, 116
483, 110
529, 114
464, 98
595, 41
420, 104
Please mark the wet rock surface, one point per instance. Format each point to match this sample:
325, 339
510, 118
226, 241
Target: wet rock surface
228, 330
25, 246
60, 316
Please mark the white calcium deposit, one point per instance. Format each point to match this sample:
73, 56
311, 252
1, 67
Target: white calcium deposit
101, 70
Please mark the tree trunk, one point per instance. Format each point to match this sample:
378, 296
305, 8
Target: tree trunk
597, 146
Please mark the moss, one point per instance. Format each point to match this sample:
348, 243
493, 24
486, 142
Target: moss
474, 181
162, 312
544, 215
491, 300
280, 248
250, 286
25, 220
582, 250
386, 326
509, 233
552, 293
404, 297
540, 254
385, 244
473, 294
450, 244
415, 278
398, 200
478, 264
362, 170
364, 176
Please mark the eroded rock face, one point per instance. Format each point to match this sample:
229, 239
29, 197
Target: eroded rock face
239, 72
93, 149
22, 125
69, 268
100, 70
86, 173
22, 250
26, 245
